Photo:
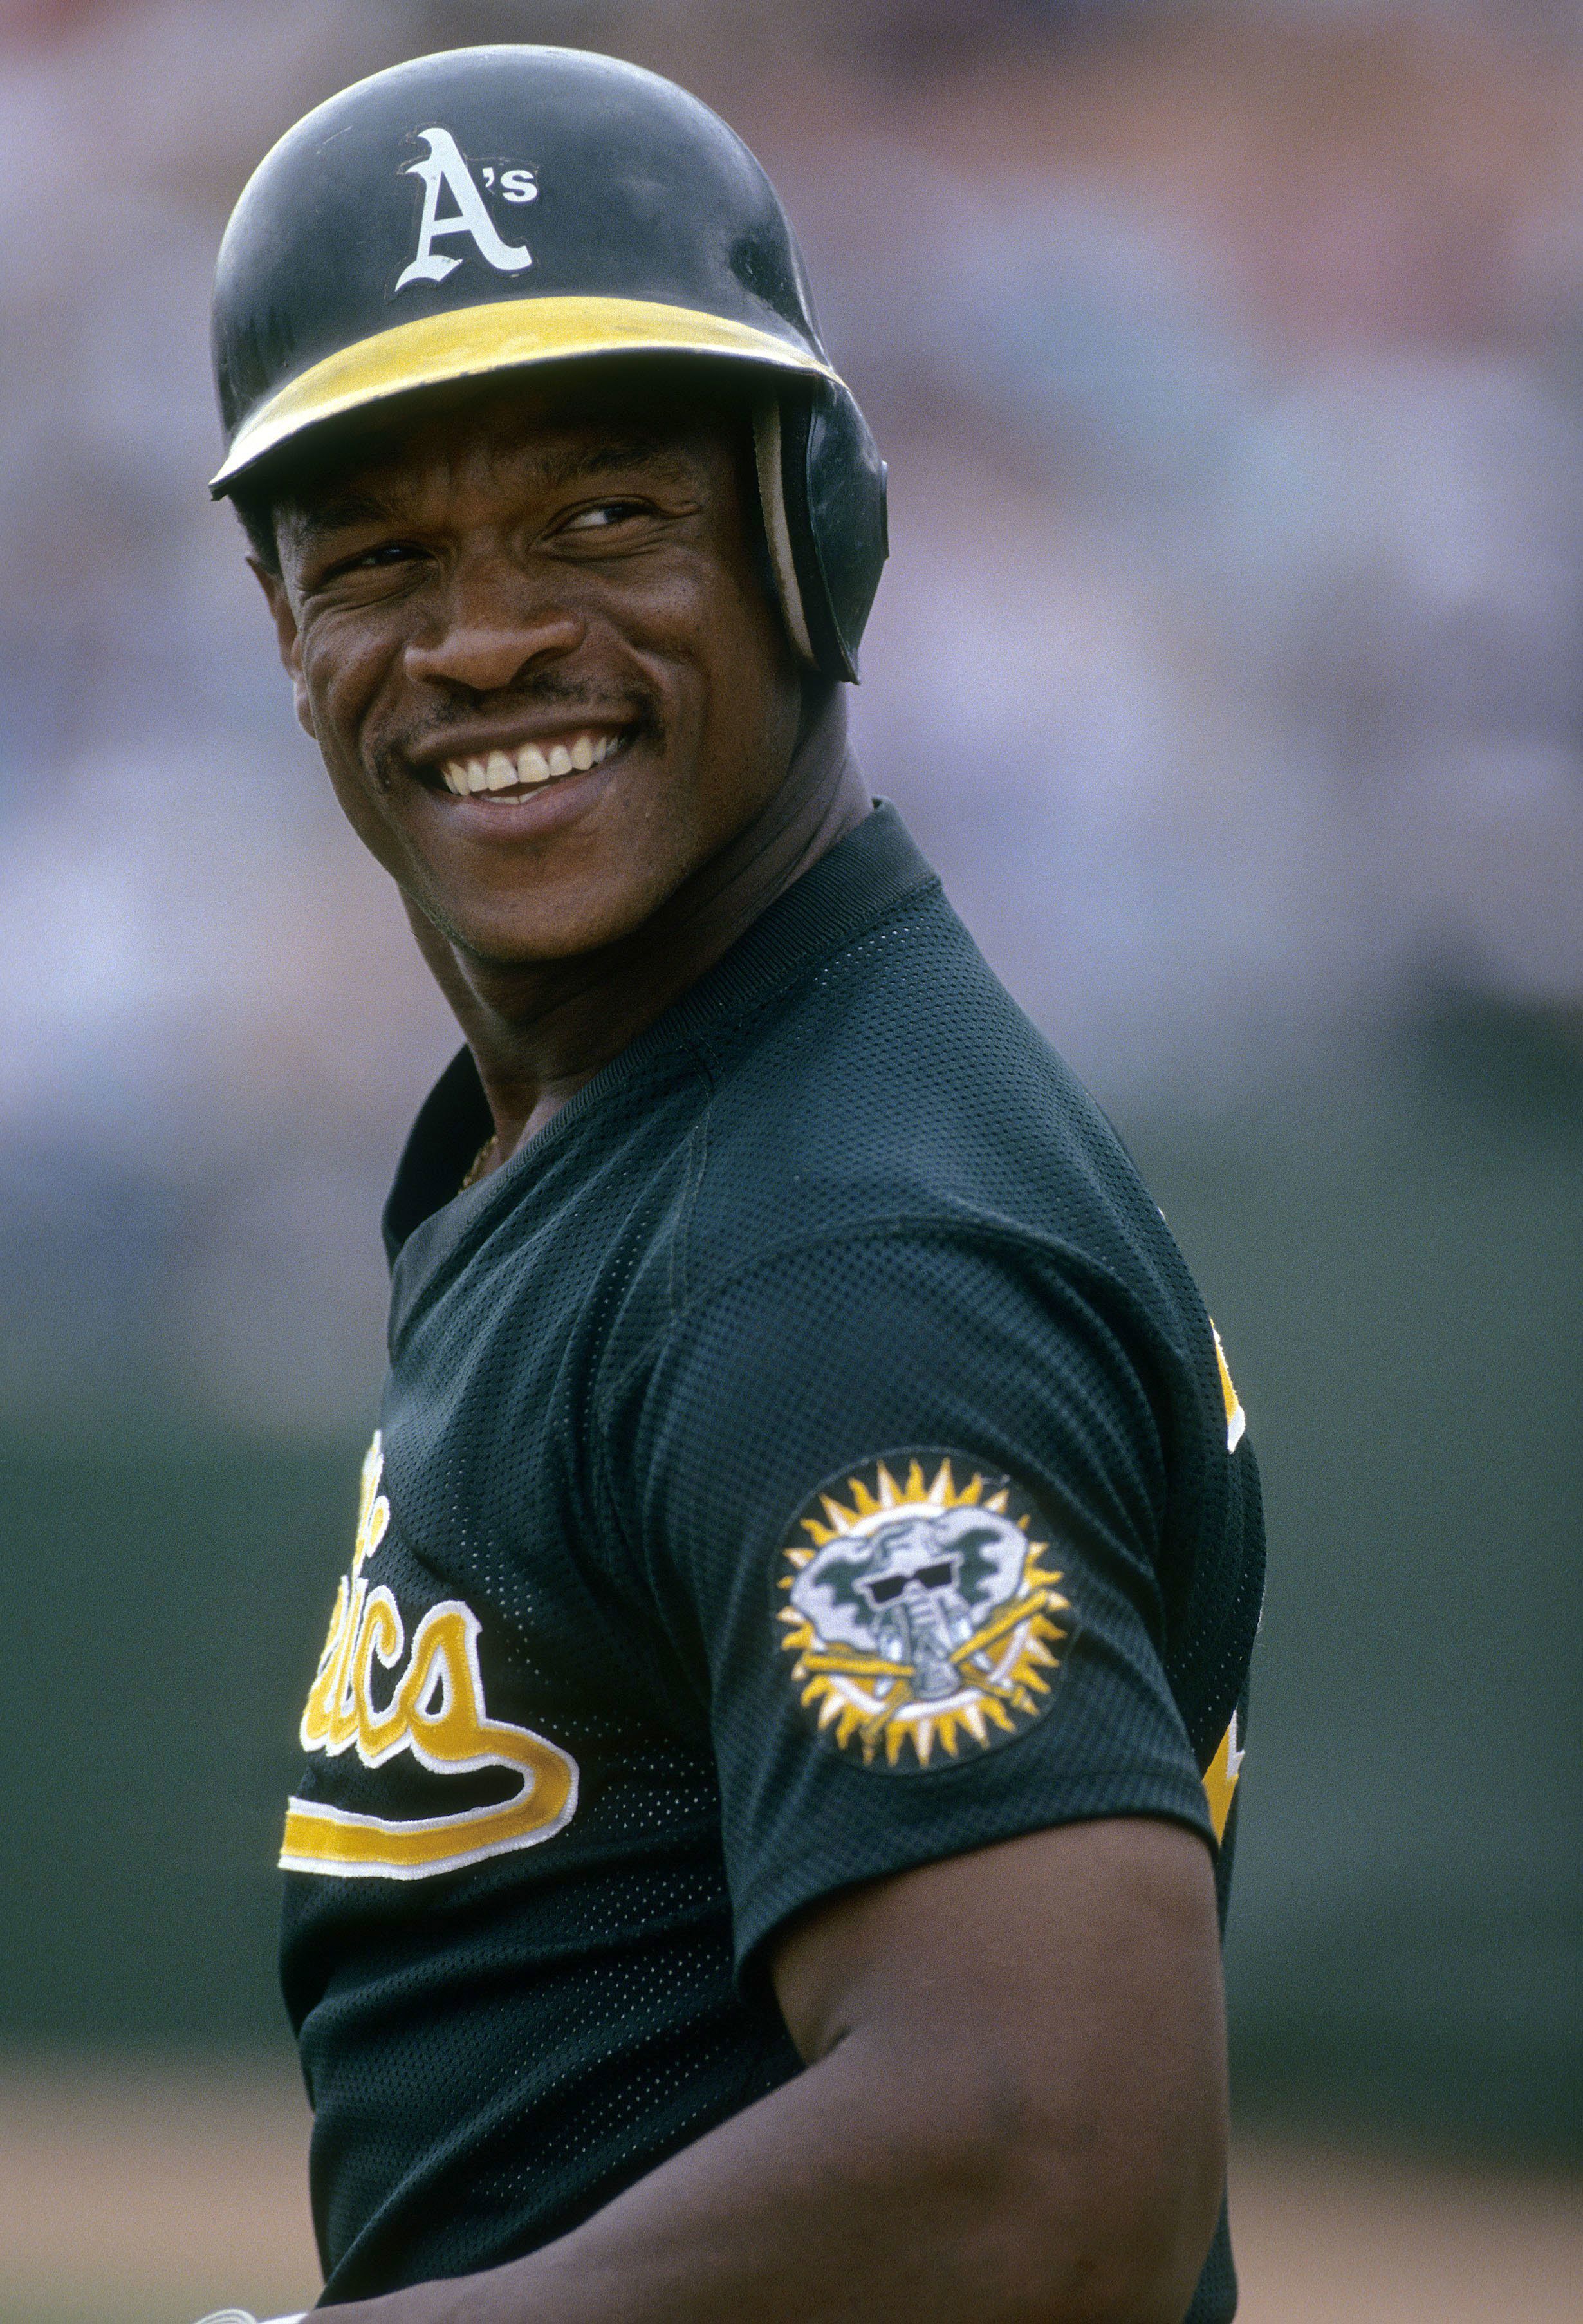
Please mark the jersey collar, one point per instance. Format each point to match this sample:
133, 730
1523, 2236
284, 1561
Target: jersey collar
857, 881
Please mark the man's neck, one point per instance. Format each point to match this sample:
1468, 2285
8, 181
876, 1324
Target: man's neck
538, 1032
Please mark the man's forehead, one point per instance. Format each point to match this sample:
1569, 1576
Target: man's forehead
542, 440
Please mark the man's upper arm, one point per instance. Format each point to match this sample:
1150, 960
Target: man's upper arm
905, 1501
1053, 2006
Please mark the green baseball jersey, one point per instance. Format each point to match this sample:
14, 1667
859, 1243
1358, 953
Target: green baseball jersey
806, 1458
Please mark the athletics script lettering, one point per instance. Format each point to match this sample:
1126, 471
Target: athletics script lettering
435, 1710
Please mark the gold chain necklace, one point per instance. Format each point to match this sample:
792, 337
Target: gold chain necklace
480, 1162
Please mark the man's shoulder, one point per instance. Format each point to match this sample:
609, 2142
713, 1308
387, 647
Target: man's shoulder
898, 1084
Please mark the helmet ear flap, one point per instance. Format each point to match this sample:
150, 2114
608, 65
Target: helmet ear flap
769, 452
823, 486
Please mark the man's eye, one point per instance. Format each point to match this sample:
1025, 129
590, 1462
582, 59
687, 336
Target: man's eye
383, 554
388, 552
606, 513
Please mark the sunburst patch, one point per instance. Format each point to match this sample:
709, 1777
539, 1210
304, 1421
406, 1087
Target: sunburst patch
921, 1619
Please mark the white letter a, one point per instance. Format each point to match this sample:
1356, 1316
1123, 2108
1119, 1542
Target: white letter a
444, 166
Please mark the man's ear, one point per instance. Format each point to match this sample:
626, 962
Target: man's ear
287, 637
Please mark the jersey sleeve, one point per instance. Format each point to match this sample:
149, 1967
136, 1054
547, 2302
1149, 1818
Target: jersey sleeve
901, 1499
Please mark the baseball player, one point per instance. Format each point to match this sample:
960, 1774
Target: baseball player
769, 1776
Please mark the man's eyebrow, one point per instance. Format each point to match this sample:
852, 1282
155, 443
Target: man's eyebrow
336, 511
610, 458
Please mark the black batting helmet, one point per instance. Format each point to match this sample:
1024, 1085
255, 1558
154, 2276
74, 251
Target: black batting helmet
494, 209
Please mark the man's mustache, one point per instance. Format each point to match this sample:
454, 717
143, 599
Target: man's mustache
546, 692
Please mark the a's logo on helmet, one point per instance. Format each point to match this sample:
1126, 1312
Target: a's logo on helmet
443, 168
919, 1612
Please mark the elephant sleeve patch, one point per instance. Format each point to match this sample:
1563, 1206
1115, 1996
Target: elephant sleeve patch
919, 1611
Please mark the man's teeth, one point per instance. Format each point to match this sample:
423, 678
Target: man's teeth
501, 771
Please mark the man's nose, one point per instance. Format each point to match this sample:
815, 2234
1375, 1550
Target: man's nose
491, 631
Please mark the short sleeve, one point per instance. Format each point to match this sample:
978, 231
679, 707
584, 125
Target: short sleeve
901, 1496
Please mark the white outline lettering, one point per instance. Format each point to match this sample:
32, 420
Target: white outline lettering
443, 165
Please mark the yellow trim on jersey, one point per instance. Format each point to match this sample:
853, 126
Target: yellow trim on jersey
470, 342
436, 1713
1221, 1779
1236, 1418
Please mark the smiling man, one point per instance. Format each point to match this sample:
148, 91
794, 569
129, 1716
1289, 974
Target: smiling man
768, 1809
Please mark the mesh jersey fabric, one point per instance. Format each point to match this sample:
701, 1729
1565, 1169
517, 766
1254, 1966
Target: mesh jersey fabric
806, 1458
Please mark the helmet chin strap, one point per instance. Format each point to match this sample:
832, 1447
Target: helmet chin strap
772, 495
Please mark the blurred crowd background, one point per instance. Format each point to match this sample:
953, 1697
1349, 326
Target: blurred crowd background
1228, 359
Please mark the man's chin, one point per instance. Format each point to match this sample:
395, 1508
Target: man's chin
509, 936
